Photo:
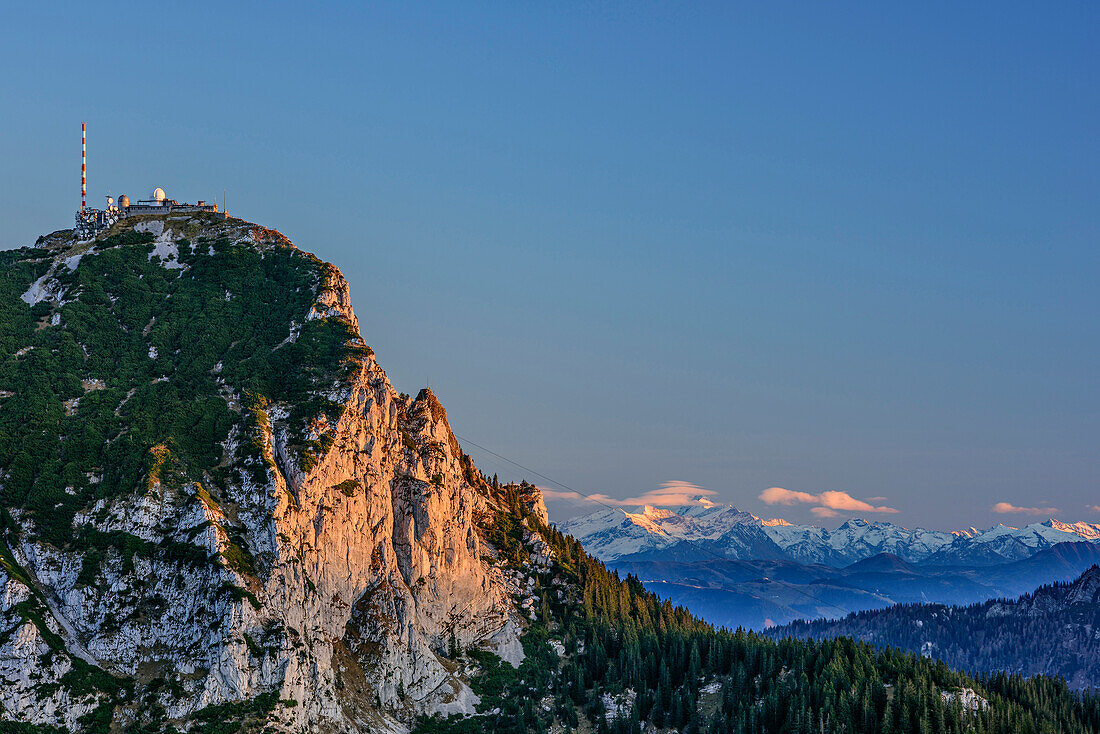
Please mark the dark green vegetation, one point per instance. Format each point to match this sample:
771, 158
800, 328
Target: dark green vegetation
132, 384
1051, 631
619, 637
229, 718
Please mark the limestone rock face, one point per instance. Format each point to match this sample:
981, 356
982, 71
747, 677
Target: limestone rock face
337, 584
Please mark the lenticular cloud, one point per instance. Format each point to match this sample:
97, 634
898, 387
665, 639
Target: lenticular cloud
670, 494
826, 504
1007, 508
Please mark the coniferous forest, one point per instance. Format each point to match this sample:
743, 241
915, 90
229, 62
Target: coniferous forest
1051, 631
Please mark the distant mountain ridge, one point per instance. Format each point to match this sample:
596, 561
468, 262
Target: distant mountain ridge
758, 594
737, 570
1052, 631
709, 530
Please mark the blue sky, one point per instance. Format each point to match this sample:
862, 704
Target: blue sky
822, 247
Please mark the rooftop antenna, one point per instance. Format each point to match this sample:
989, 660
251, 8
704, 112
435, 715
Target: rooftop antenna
83, 166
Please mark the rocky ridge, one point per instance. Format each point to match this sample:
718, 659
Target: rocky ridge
325, 562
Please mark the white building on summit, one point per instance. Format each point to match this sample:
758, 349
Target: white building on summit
90, 222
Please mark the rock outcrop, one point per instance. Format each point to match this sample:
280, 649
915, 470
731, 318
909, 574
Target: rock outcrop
331, 578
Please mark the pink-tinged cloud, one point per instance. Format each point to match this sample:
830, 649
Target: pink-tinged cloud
669, 494
1006, 508
825, 502
780, 496
1094, 508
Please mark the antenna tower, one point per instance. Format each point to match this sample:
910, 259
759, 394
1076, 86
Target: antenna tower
83, 166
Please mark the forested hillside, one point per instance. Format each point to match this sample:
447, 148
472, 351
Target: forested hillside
1052, 631
762, 594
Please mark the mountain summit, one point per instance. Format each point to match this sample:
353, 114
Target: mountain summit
211, 482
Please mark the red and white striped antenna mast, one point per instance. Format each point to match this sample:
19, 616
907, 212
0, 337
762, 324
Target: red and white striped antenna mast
83, 166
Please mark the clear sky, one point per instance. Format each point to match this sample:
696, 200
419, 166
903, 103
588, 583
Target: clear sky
824, 247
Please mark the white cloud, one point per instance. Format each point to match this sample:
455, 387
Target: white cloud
669, 494
1094, 508
1005, 508
826, 504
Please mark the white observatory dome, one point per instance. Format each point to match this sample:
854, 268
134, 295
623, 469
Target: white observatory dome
123, 201
158, 195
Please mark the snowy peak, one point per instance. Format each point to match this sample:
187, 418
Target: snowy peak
646, 521
1088, 531
614, 535
611, 534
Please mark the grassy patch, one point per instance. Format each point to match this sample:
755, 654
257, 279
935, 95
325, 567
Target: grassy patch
239, 594
349, 487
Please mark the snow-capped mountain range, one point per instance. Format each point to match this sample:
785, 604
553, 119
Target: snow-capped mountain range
706, 529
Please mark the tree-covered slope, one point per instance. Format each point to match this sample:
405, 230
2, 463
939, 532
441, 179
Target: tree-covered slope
1052, 631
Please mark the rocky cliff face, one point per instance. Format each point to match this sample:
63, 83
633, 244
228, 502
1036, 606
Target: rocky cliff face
321, 563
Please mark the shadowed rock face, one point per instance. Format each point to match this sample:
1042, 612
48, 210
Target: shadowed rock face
343, 541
